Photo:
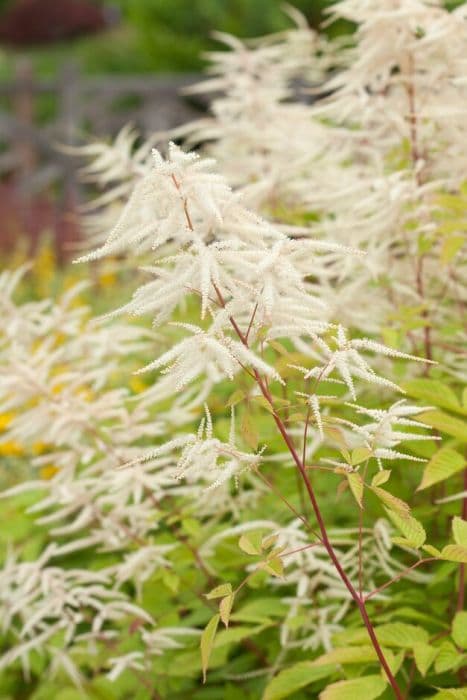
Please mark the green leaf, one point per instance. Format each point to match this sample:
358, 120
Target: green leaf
392, 502
451, 246
392, 634
441, 466
433, 392
459, 530
381, 477
273, 566
225, 608
451, 694
260, 610
347, 655
455, 552
424, 655
207, 640
459, 629
413, 531
295, 677
249, 432
356, 486
359, 455
264, 403
445, 423
246, 545
220, 591
368, 687
236, 397
448, 658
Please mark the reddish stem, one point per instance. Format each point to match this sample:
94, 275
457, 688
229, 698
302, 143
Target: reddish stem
322, 527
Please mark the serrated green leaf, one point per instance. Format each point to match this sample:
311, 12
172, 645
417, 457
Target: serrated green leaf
236, 397
451, 694
459, 629
433, 392
451, 246
368, 687
274, 566
424, 655
444, 463
248, 546
359, 455
347, 655
261, 401
455, 552
294, 678
392, 502
431, 550
219, 591
225, 608
356, 486
412, 530
392, 634
445, 423
448, 657
249, 432
381, 477
207, 640
459, 530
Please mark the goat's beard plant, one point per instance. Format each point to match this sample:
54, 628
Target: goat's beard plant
260, 328
255, 293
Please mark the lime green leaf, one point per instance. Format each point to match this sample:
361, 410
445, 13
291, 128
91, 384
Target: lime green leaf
295, 677
248, 546
273, 566
278, 347
249, 432
455, 552
359, 455
264, 403
368, 687
225, 608
448, 658
220, 591
356, 486
381, 477
392, 634
207, 640
236, 397
451, 246
445, 423
459, 629
392, 502
441, 466
347, 655
459, 530
424, 655
432, 392
451, 694
431, 550
413, 531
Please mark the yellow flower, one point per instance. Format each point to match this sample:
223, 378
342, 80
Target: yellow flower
48, 472
5, 420
137, 385
40, 447
10, 448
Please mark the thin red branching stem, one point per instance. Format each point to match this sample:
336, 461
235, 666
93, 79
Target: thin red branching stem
399, 576
317, 511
